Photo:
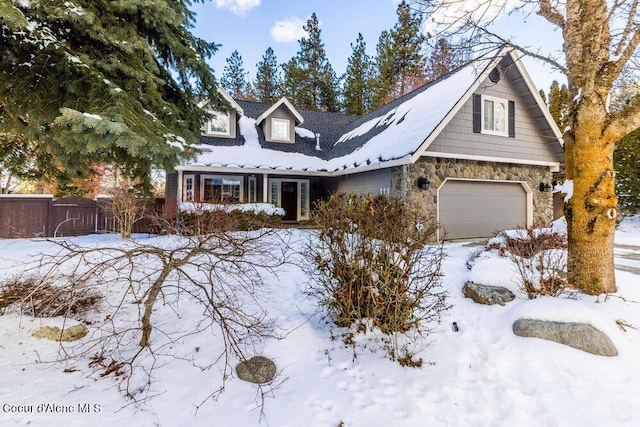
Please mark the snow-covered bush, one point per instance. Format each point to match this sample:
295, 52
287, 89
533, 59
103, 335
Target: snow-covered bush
208, 217
375, 265
539, 255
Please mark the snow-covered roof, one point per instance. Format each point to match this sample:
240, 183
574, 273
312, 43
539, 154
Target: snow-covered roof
228, 98
394, 134
282, 101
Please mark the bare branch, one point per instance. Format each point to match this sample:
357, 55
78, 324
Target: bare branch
550, 13
624, 122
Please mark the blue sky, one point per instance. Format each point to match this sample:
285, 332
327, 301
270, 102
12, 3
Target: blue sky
251, 26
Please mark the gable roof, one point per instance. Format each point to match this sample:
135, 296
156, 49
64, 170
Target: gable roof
395, 134
282, 101
228, 98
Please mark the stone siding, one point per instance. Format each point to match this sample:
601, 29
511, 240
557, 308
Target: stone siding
436, 170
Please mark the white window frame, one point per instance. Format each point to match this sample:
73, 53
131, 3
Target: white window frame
275, 120
208, 130
229, 177
277, 199
252, 193
184, 196
494, 100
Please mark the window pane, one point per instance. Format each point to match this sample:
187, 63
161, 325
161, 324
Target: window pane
275, 186
225, 190
488, 115
280, 129
304, 199
188, 189
252, 189
500, 117
219, 123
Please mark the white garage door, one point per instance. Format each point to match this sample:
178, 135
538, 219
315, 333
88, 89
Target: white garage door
470, 209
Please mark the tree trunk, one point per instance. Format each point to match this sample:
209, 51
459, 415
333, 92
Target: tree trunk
591, 211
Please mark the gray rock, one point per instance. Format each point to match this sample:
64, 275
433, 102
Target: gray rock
489, 295
257, 370
577, 335
53, 333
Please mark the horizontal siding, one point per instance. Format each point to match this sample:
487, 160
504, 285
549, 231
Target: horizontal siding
365, 182
280, 113
529, 144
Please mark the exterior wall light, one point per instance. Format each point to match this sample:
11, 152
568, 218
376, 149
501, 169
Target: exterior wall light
545, 187
423, 183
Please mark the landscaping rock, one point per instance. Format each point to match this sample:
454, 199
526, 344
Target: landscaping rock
257, 370
489, 295
53, 333
582, 336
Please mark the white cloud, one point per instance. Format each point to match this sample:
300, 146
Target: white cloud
288, 30
239, 7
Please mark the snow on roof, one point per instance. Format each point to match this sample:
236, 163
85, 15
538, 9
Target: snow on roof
394, 132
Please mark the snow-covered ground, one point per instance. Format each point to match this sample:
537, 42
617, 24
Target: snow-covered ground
482, 375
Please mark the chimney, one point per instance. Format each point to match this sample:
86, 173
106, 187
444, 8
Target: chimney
318, 142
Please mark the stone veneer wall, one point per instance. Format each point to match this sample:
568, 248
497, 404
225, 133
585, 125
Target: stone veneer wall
436, 170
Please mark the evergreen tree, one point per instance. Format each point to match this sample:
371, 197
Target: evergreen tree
100, 82
626, 160
311, 73
385, 73
401, 62
358, 89
443, 59
233, 78
268, 80
559, 104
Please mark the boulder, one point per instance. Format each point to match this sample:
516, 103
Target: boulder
489, 295
581, 336
53, 333
257, 370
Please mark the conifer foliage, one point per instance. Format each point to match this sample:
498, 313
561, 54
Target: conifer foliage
358, 88
234, 77
100, 82
401, 61
309, 79
268, 80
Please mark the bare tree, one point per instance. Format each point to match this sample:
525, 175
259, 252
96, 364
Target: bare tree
600, 40
222, 270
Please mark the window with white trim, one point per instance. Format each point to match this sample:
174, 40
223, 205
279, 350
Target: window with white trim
495, 116
219, 124
221, 189
280, 129
188, 188
253, 196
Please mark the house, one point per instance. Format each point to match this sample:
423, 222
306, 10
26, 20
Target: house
475, 148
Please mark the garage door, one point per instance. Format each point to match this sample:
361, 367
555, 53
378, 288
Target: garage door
470, 209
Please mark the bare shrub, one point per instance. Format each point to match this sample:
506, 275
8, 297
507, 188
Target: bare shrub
539, 255
375, 267
42, 298
128, 206
222, 271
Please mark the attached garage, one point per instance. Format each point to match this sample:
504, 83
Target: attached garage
474, 209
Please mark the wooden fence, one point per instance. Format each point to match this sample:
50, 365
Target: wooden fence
44, 216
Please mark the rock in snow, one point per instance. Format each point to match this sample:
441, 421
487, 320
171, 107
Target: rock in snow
258, 370
582, 336
54, 333
489, 295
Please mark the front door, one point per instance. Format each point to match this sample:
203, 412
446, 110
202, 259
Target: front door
289, 200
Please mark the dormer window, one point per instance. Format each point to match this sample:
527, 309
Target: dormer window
280, 129
219, 124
